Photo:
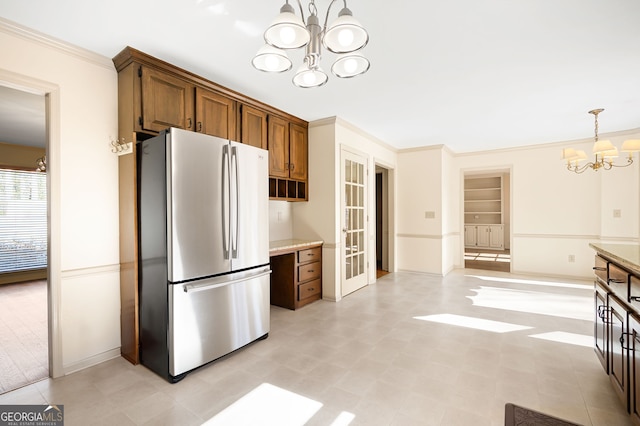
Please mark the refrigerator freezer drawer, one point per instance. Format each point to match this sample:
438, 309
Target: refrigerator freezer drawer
211, 318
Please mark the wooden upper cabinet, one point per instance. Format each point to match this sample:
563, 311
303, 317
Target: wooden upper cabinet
278, 147
298, 152
215, 114
167, 101
253, 123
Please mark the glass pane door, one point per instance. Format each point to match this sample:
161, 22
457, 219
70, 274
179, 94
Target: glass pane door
354, 224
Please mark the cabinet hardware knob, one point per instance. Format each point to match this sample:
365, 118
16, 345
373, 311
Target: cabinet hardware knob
617, 281
311, 270
188, 123
634, 298
292, 166
199, 126
311, 289
599, 268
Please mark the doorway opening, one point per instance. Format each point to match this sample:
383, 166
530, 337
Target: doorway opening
382, 221
487, 220
24, 243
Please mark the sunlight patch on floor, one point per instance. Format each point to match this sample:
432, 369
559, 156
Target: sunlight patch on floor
564, 337
471, 322
268, 405
534, 302
531, 282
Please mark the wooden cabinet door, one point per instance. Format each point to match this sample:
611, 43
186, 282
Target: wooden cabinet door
600, 324
470, 236
618, 344
634, 367
254, 127
215, 114
496, 236
278, 142
298, 152
167, 101
482, 237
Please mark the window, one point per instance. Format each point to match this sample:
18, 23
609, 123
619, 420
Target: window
23, 220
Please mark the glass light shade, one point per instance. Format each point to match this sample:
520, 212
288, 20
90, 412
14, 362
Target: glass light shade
601, 146
345, 34
350, 66
287, 31
306, 77
271, 59
631, 145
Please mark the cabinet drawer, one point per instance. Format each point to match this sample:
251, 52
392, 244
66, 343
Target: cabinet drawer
619, 281
309, 255
309, 271
600, 268
309, 289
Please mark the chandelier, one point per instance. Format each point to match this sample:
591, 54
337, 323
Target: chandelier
344, 36
42, 164
605, 152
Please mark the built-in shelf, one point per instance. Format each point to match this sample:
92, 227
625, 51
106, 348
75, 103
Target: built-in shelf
483, 211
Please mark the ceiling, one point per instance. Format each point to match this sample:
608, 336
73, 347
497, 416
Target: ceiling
470, 74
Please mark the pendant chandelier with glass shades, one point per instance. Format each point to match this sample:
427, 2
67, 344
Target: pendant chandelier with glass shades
345, 36
605, 152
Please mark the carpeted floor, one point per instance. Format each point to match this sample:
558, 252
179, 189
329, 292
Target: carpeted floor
24, 355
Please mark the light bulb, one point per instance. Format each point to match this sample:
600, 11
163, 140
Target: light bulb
345, 37
287, 35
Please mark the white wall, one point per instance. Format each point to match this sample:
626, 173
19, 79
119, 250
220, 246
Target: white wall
83, 175
280, 220
556, 213
320, 216
420, 190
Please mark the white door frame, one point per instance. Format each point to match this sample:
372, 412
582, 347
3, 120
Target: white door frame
51, 92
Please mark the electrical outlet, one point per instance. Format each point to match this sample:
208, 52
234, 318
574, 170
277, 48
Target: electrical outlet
572, 258
617, 213
429, 215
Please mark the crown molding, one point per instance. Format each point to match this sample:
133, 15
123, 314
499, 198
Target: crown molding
343, 123
17, 30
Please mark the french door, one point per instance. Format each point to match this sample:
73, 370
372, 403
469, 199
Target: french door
354, 220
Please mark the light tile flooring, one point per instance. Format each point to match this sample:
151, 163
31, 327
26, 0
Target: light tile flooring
412, 349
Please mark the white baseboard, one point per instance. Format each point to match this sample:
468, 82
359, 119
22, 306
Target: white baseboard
91, 361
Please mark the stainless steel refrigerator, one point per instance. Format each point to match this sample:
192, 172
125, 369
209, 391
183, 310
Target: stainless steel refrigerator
203, 249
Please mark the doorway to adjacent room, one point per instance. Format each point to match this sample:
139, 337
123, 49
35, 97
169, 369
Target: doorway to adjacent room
487, 220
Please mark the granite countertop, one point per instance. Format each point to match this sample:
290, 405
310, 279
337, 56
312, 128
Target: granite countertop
292, 245
627, 255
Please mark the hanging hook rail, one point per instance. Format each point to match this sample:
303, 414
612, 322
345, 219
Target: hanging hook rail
120, 146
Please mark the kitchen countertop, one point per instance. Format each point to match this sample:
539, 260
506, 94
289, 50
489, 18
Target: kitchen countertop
284, 246
627, 255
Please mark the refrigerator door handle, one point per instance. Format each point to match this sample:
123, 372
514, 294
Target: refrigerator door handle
235, 192
225, 201
192, 288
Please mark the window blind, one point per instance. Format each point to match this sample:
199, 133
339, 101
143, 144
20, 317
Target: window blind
23, 220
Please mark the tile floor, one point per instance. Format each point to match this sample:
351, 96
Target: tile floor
412, 349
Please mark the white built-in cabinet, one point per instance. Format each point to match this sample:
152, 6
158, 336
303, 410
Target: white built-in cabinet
483, 212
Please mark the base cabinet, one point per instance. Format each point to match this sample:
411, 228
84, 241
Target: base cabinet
617, 330
484, 236
296, 278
